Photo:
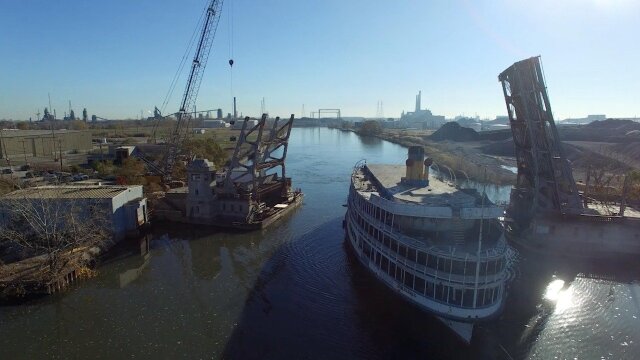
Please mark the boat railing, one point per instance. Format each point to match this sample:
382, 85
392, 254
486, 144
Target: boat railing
448, 276
449, 251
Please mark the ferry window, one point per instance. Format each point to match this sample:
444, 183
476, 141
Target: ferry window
392, 269
483, 268
493, 267
375, 234
442, 265
386, 240
402, 251
469, 268
411, 254
399, 273
422, 258
468, 298
482, 298
430, 289
458, 267
408, 279
384, 263
456, 297
378, 259
366, 249
431, 261
419, 286
440, 292
394, 245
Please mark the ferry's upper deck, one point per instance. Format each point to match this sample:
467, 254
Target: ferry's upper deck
387, 181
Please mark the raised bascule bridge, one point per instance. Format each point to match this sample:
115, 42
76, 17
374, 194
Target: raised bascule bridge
546, 211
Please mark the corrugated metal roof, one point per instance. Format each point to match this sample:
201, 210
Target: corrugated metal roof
69, 192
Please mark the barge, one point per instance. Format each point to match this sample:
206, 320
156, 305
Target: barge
251, 192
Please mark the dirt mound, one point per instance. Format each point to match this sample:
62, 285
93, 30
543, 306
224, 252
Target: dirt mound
454, 132
500, 148
577, 155
631, 152
615, 125
610, 130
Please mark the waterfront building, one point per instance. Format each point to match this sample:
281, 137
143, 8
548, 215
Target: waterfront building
438, 245
125, 206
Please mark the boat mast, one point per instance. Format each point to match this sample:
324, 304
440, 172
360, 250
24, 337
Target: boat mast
484, 191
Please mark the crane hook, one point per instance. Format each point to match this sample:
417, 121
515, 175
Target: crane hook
231, 62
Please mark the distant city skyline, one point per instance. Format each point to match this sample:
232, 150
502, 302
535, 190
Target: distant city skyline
117, 58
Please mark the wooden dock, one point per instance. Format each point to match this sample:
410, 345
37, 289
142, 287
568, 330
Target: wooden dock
33, 276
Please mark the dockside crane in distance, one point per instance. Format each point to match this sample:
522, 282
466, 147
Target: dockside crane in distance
181, 130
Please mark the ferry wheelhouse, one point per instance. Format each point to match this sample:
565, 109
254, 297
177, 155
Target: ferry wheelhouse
440, 246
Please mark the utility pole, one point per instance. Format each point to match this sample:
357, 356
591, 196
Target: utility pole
60, 149
50, 108
24, 151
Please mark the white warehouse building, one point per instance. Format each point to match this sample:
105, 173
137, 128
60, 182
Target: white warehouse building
215, 124
126, 205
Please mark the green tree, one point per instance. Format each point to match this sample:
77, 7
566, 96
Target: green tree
371, 127
78, 125
23, 125
206, 149
132, 171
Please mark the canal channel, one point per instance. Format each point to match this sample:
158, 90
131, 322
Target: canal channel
294, 291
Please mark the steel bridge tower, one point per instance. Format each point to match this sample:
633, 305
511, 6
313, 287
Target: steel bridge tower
545, 183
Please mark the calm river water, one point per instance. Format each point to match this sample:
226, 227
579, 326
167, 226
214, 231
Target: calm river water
294, 292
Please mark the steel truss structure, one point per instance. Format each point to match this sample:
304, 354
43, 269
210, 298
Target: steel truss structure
545, 182
259, 150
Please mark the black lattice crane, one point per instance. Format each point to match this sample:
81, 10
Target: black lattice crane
180, 131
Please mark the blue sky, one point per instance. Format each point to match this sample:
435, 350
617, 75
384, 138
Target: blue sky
118, 57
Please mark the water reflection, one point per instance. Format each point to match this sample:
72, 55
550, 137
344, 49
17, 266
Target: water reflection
370, 142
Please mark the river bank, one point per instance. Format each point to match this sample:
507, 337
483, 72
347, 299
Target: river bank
464, 160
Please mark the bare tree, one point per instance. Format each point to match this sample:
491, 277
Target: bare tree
57, 230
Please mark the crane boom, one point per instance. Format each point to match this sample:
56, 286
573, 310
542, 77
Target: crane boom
179, 133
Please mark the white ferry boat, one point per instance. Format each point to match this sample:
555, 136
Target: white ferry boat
437, 245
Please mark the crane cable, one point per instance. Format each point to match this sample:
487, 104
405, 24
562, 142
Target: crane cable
183, 61
230, 42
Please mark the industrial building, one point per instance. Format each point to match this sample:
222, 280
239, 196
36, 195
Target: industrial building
42, 143
126, 205
250, 123
420, 119
213, 124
